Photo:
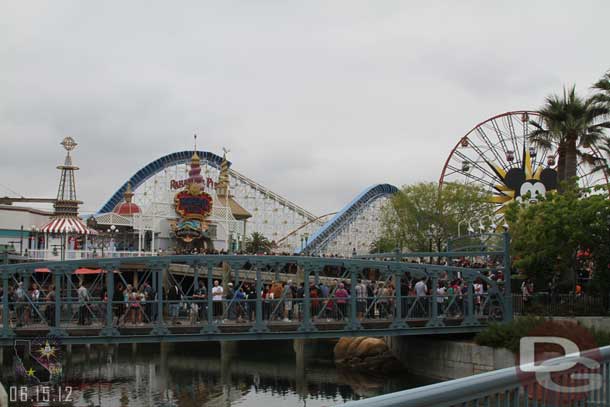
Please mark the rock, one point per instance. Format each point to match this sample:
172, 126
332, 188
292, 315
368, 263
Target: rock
364, 353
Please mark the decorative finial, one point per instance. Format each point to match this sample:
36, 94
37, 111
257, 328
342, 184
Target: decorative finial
69, 144
195, 137
128, 194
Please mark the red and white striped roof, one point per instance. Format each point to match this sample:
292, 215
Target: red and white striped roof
66, 225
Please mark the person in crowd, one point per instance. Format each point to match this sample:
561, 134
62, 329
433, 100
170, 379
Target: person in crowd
50, 306
287, 293
149, 298
217, 296
277, 304
478, 294
251, 298
240, 309
360, 291
35, 297
421, 292
20, 304
173, 298
266, 298
117, 303
341, 296
83, 304
200, 297
231, 306
314, 294
135, 298
298, 302
441, 295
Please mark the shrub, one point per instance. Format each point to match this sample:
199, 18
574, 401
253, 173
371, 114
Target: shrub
508, 335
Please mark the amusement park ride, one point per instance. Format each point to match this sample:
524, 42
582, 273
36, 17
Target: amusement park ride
496, 155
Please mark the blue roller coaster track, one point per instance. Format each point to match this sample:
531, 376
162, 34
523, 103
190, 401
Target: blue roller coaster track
154, 167
346, 215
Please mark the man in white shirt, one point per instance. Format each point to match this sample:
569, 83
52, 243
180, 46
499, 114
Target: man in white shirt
83, 298
217, 293
421, 290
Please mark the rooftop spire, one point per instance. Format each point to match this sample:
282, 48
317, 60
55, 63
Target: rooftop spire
67, 204
222, 187
195, 158
128, 195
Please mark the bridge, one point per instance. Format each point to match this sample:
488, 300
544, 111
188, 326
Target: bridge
383, 305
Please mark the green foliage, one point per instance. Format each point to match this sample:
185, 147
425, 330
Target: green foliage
383, 245
574, 124
257, 243
546, 236
421, 213
508, 335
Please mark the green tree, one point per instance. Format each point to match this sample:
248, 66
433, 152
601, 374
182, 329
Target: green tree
547, 236
571, 123
383, 245
421, 214
257, 243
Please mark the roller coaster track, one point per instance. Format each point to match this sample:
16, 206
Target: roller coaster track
304, 225
345, 216
183, 157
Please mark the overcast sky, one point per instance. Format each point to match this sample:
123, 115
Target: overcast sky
315, 99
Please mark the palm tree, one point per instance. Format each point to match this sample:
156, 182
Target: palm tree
603, 89
570, 122
603, 96
257, 243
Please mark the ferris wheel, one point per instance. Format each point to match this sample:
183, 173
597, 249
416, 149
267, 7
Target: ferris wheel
497, 156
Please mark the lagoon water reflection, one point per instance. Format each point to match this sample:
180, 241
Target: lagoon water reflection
207, 374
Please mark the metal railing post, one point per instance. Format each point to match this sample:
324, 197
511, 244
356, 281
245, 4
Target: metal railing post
159, 327
259, 325
434, 319
210, 327
56, 328
398, 317
354, 324
307, 325
508, 303
470, 319
109, 329
7, 332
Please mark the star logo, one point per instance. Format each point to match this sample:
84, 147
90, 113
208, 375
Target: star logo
31, 372
47, 351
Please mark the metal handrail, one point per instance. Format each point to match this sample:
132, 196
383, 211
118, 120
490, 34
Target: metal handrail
481, 387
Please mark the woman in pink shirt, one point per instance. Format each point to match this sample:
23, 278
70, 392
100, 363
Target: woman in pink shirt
341, 296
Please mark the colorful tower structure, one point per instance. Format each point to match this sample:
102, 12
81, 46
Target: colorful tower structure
66, 203
65, 220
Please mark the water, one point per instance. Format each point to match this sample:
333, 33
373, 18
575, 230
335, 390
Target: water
264, 374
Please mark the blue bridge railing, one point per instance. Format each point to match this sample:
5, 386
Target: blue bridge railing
177, 298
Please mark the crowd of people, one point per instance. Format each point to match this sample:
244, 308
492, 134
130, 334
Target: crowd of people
330, 298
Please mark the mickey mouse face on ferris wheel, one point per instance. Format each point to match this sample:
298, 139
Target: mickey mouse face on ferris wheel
534, 187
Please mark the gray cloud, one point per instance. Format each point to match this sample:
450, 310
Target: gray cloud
316, 100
